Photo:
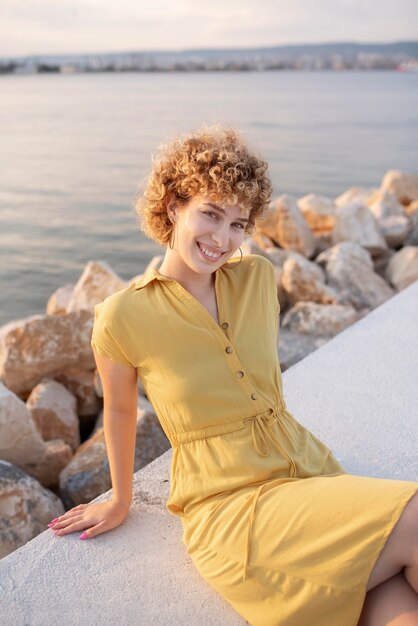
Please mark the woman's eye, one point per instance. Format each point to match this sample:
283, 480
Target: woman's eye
216, 215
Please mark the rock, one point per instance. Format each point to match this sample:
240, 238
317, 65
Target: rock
380, 262
88, 475
43, 346
26, 508
262, 241
250, 247
318, 211
355, 222
304, 280
80, 383
293, 347
412, 208
21, 442
20, 439
403, 186
349, 270
323, 241
355, 195
59, 300
285, 225
395, 230
57, 456
97, 281
390, 215
412, 239
310, 318
53, 409
402, 269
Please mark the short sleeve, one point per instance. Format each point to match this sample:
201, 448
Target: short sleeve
273, 284
103, 338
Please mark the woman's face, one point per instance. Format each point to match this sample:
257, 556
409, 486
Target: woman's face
208, 233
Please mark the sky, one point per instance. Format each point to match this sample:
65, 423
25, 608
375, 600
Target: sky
70, 26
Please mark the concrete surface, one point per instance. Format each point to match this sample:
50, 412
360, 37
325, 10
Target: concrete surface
358, 393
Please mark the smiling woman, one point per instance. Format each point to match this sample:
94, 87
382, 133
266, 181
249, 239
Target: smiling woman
270, 518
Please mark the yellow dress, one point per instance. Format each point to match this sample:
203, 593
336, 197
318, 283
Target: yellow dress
270, 518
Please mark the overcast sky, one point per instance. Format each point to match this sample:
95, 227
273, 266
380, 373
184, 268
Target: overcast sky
61, 26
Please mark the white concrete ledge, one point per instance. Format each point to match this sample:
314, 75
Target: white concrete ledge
358, 393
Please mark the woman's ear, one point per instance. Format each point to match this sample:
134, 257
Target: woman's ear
171, 206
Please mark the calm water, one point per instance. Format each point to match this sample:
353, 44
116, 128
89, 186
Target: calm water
75, 147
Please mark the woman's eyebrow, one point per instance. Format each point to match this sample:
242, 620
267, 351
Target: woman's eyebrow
219, 208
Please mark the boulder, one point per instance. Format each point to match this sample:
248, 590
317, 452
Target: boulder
354, 222
403, 186
21, 442
304, 280
26, 508
349, 270
54, 410
58, 302
294, 347
285, 225
41, 346
390, 215
318, 211
97, 281
355, 195
80, 382
412, 239
402, 269
311, 318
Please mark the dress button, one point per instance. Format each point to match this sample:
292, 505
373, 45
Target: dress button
254, 396
228, 349
225, 325
240, 374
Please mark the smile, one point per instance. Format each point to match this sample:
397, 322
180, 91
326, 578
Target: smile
208, 254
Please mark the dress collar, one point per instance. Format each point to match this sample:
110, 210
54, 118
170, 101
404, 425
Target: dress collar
153, 274
149, 276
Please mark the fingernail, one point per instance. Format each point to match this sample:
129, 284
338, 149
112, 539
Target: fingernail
54, 520
84, 535
51, 524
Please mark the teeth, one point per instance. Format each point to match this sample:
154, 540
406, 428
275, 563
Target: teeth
208, 252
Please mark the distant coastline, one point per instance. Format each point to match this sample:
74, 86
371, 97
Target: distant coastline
399, 56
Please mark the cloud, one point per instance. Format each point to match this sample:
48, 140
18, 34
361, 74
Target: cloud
59, 26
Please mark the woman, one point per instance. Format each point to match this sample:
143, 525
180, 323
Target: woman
271, 519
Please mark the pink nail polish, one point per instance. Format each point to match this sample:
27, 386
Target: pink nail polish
50, 525
84, 535
54, 520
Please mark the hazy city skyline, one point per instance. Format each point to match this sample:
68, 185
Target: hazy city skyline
70, 26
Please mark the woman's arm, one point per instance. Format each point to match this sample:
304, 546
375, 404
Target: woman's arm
120, 396
120, 401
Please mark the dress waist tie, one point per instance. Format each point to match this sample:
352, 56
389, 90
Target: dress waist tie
261, 435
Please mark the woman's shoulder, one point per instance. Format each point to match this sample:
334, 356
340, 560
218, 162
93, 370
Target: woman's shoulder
252, 264
116, 304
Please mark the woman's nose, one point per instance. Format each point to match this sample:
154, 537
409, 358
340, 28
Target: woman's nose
221, 237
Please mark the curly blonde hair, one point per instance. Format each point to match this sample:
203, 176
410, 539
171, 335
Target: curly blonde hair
213, 161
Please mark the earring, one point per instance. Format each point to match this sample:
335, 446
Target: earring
236, 264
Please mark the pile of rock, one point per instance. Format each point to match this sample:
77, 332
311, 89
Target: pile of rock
335, 261
52, 447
